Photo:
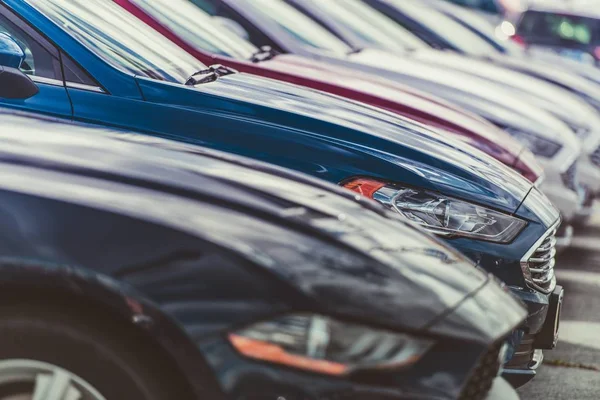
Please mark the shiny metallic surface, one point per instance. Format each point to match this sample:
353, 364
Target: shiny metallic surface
81, 86
538, 264
46, 382
190, 243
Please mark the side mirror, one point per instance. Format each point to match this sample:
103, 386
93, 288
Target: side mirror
232, 26
16, 85
11, 54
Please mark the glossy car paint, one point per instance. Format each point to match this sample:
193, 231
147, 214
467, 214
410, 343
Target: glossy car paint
344, 82
10, 53
488, 99
311, 132
196, 243
562, 103
479, 95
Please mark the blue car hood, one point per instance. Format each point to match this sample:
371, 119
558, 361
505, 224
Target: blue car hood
410, 152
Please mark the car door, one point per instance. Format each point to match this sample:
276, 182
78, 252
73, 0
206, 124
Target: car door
42, 64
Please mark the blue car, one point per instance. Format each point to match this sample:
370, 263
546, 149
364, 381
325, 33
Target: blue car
93, 62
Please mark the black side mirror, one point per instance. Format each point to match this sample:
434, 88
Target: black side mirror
16, 85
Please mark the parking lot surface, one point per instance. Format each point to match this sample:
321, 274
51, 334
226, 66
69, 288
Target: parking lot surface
572, 370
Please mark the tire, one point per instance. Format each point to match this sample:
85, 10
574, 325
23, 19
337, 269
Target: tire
114, 361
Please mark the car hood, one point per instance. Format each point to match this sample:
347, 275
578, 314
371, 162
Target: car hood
418, 155
487, 99
323, 241
556, 100
561, 75
407, 101
481, 312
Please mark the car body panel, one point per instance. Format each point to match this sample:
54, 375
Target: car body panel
236, 105
318, 75
472, 93
193, 249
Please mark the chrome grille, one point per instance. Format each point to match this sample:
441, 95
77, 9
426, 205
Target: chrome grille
538, 266
569, 177
595, 157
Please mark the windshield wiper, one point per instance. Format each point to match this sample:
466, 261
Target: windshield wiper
355, 50
210, 74
263, 54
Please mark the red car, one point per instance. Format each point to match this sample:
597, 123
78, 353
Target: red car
201, 36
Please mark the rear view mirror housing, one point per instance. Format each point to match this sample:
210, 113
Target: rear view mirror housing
14, 84
11, 54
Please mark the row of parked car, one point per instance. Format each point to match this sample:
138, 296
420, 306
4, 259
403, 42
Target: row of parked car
282, 199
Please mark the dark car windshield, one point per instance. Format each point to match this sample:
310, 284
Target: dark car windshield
299, 25
120, 39
197, 28
446, 28
560, 29
368, 24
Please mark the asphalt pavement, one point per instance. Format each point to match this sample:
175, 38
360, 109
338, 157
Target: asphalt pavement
572, 370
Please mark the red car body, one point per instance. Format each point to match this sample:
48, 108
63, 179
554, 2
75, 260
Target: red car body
369, 89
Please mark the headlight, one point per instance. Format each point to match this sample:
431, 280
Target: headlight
440, 214
324, 345
538, 145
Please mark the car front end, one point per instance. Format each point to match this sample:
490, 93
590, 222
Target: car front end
519, 249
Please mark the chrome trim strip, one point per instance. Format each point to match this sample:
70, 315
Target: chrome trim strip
544, 268
82, 86
537, 359
47, 81
525, 262
540, 180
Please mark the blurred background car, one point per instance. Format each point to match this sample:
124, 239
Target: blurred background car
568, 28
581, 117
143, 81
207, 275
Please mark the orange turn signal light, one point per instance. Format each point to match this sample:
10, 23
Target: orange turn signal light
264, 351
364, 186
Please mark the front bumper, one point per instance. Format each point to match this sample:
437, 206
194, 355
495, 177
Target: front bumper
245, 379
528, 355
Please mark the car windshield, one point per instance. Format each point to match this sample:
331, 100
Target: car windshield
120, 39
445, 27
299, 25
371, 26
560, 29
196, 27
